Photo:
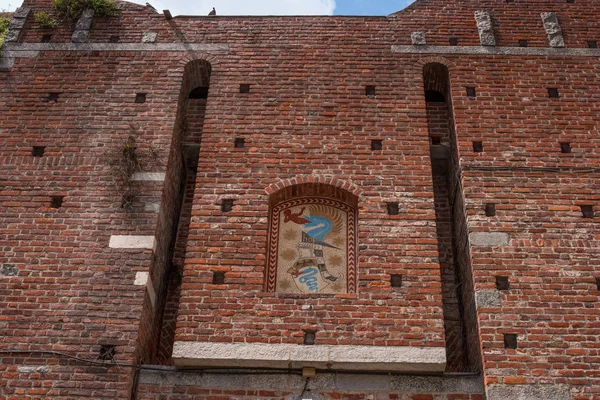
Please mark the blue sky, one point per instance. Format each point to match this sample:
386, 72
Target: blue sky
266, 7
372, 7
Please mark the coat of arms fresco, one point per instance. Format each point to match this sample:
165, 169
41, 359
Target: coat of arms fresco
312, 247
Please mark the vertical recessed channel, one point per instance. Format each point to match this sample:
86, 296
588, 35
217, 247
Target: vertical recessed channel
462, 348
182, 170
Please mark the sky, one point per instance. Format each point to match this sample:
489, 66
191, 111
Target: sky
266, 7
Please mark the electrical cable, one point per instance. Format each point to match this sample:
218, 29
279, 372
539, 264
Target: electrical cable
222, 371
304, 390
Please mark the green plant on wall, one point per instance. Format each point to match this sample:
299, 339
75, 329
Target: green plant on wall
125, 159
3, 29
45, 20
72, 9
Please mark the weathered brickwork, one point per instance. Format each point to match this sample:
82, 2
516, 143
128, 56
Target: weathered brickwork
138, 125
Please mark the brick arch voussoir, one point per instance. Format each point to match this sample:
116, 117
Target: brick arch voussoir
322, 179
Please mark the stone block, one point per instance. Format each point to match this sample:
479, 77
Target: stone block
553, 29
17, 23
148, 176
12, 35
418, 39
485, 28
21, 12
489, 238
149, 37
141, 278
152, 207
488, 298
9, 270
80, 36
131, 242
528, 392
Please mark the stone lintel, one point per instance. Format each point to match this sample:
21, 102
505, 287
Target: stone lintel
489, 238
528, 392
148, 176
324, 381
342, 358
132, 242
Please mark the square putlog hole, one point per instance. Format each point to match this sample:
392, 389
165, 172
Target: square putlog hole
114, 39
565, 147
393, 208
140, 98
218, 278
523, 43
53, 96
490, 210
598, 283
502, 283
376, 144
510, 341
587, 211
107, 352
239, 143
370, 91
127, 202
471, 92
396, 280
453, 41
553, 93
46, 38
56, 201
310, 337
227, 205
244, 88
592, 44
478, 147
38, 151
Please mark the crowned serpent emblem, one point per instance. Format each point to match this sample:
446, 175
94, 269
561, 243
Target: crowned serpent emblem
321, 233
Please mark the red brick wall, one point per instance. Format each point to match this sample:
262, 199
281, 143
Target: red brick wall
305, 116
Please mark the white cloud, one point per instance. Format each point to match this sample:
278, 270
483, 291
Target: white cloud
229, 7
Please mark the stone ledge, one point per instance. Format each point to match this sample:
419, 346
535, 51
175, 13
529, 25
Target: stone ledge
343, 358
528, 392
323, 381
502, 51
489, 239
132, 242
148, 176
116, 46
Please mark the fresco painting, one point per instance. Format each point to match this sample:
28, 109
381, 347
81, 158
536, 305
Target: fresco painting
310, 243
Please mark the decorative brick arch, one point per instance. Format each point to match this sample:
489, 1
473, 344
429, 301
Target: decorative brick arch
326, 180
312, 236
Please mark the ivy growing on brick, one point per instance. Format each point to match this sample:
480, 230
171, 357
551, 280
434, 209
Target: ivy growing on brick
3, 29
72, 9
